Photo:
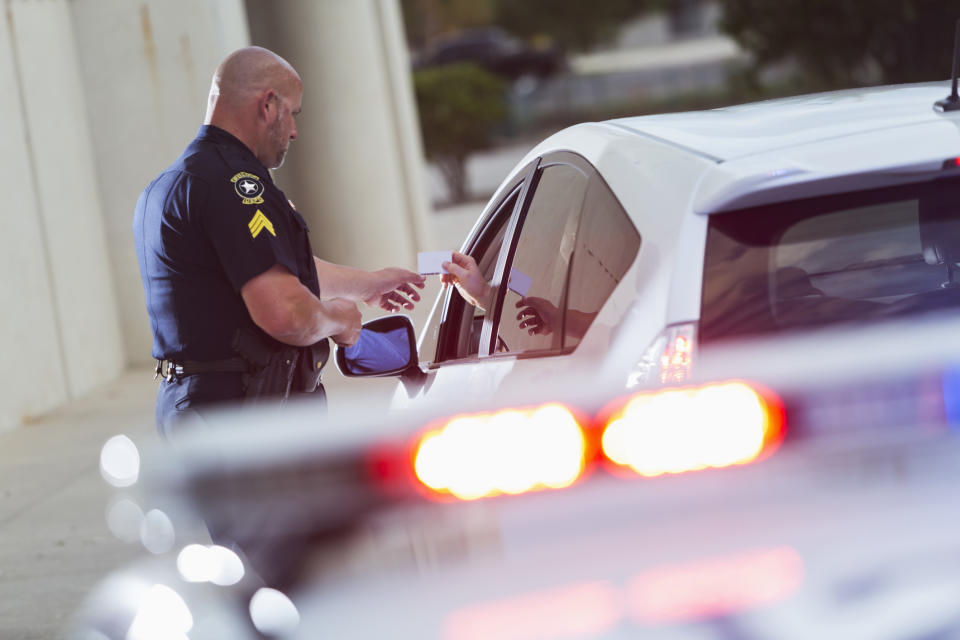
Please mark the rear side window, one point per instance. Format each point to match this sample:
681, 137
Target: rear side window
607, 244
851, 258
542, 262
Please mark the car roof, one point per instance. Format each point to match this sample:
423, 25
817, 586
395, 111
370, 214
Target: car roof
755, 128
780, 149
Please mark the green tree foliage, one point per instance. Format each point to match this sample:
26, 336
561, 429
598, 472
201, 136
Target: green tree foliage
578, 25
460, 108
841, 43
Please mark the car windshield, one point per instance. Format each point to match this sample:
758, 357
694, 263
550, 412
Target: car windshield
854, 257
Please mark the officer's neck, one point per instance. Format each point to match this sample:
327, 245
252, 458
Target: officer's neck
250, 139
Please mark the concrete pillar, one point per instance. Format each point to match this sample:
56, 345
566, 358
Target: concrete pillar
60, 193
356, 172
146, 67
32, 345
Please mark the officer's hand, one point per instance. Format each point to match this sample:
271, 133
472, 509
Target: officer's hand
392, 289
346, 313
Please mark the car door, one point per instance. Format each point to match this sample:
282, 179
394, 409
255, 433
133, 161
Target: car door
555, 244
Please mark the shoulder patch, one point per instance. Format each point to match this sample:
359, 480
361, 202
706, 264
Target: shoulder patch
258, 223
248, 187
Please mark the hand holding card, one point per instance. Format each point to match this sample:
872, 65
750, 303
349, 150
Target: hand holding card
430, 262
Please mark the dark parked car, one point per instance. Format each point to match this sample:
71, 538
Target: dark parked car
494, 50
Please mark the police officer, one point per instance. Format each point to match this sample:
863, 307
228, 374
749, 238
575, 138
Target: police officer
232, 286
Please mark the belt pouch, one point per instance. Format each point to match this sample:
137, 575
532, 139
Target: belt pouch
274, 367
310, 367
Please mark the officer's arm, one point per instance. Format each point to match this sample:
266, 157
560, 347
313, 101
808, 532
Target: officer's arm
288, 311
392, 283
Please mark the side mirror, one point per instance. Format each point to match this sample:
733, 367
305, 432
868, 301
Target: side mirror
387, 347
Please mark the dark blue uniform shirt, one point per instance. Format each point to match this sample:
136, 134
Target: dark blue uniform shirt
203, 228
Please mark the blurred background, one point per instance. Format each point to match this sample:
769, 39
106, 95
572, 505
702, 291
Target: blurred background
414, 111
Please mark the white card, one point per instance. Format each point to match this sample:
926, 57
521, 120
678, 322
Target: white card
519, 282
429, 262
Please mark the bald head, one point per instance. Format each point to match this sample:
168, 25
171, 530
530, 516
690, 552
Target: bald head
250, 93
246, 73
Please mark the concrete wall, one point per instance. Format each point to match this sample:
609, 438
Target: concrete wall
59, 329
146, 68
100, 95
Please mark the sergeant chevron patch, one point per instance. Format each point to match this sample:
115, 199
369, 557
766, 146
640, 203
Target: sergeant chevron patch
258, 223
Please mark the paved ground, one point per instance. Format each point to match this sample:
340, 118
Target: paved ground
54, 542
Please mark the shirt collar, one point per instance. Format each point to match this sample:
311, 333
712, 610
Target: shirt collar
238, 152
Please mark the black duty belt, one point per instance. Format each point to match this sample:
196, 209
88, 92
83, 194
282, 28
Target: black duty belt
176, 370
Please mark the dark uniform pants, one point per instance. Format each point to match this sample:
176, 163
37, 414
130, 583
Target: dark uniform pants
184, 401
181, 401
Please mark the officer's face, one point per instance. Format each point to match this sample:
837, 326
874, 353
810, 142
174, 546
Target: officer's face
282, 130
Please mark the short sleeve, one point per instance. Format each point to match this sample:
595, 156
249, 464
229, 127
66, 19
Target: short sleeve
248, 235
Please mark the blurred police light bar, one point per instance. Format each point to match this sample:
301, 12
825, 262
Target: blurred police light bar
503, 452
692, 428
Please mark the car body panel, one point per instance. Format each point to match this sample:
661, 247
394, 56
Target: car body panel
784, 123
857, 161
844, 548
670, 171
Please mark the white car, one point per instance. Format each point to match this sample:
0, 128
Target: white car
635, 244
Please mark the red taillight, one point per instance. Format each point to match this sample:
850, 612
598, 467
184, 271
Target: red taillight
692, 428
668, 359
514, 451
510, 451
676, 358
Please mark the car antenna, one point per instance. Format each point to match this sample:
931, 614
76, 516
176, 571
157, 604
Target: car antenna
952, 101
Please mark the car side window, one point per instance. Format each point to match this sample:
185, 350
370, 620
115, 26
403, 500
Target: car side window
531, 316
454, 333
573, 246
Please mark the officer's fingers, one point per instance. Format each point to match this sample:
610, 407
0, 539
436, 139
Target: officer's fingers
407, 289
418, 280
409, 277
396, 299
387, 303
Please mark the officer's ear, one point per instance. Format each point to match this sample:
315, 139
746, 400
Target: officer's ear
267, 104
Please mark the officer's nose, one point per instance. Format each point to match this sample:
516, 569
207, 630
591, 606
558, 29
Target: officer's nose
293, 132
